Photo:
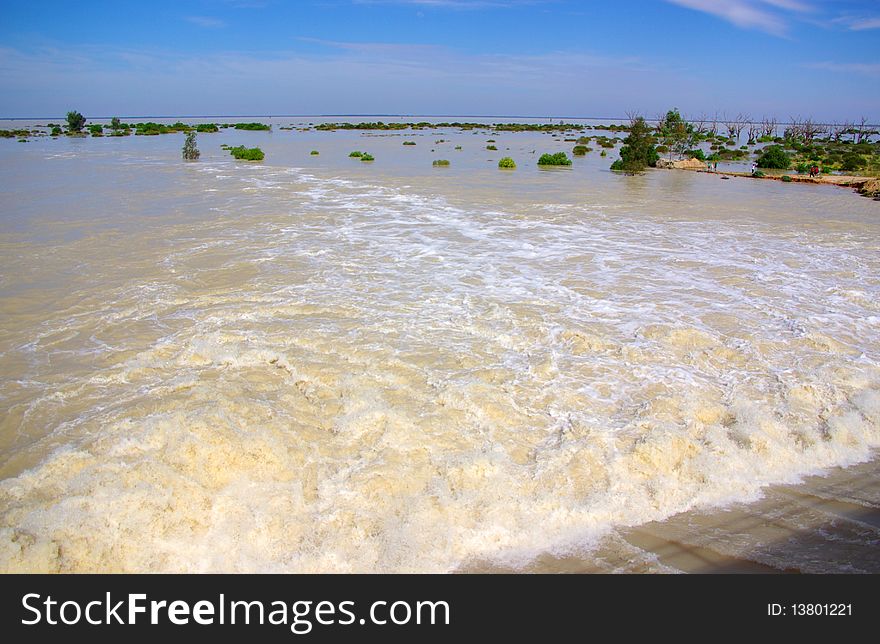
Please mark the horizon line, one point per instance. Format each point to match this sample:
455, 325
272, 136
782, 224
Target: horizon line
434, 116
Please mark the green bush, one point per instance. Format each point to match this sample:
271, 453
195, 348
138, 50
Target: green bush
580, 150
507, 163
207, 127
457, 147
115, 123
367, 157
758, 174
75, 121
96, 129
247, 154
56, 131
603, 154
696, 153
803, 168
491, 147
786, 179
774, 157
314, 153
584, 140
356, 154
252, 126
851, 162
440, 162
409, 142
560, 158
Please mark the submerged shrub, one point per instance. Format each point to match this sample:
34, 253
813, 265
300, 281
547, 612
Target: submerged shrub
190, 151
314, 153
252, 126
491, 147
367, 157
580, 150
440, 162
56, 131
758, 174
75, 121
560, 158
457, 147
409, 142
207, 127
356, 154
507, 163
786, 178
96, 129
247, 154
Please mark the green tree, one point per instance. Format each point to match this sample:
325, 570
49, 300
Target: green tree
115, 123
638, 150
190, 151
75, 121
677, 134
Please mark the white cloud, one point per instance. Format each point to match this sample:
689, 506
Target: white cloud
859, 23
770, 16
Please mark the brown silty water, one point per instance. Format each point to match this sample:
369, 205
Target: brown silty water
320, 364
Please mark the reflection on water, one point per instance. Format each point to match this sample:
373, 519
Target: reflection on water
313, 365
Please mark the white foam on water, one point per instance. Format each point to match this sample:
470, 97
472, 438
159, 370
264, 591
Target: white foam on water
366, 378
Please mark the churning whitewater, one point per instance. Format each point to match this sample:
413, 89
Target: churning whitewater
286, 369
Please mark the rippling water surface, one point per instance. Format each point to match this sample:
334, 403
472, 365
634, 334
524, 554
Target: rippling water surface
318, 364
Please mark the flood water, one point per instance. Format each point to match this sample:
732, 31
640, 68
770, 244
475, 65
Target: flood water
318, 364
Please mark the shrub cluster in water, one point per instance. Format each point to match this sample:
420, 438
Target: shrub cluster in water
581, 150
409, 142
560, 158
366, 156
508, 163
356, 154
252, 126
247, 154
440, 162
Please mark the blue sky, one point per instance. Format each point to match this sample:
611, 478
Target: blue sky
469, 57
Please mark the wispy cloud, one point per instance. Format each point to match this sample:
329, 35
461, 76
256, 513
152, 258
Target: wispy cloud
860, 23
206, 22
866, 69
770, 16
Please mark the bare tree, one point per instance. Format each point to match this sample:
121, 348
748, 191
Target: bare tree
714, 125
699, 123
811, 130
860, 129
838, 130
768, 126
735, 125
754, 131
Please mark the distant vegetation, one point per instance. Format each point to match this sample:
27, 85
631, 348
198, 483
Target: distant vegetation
252, 126
491, 147
356, 154
580, 150
95, 129
440, 162
314, 153
207, 127
409, 142
507, 163
366, 156
190, 151
247, 154
560, 158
